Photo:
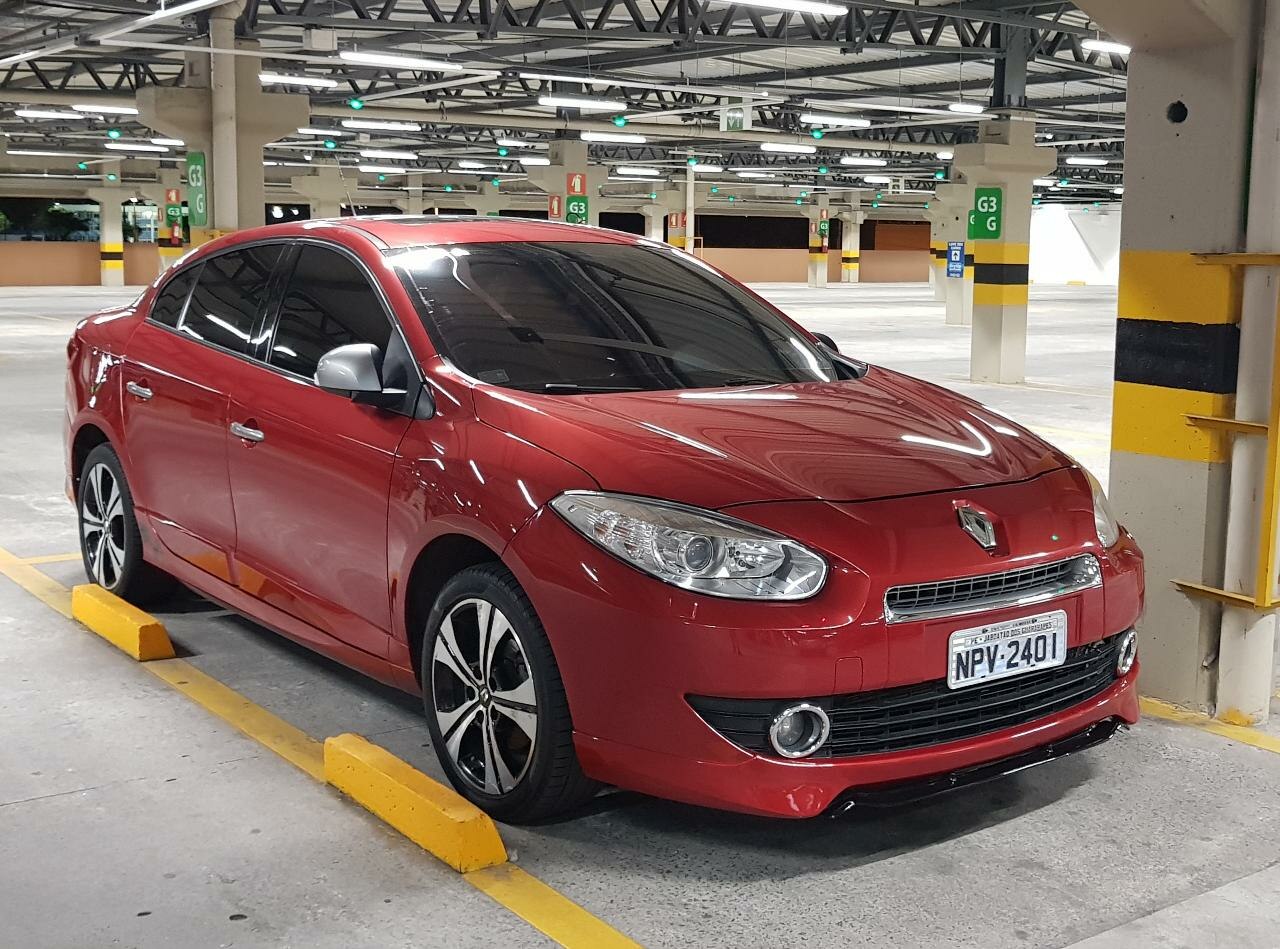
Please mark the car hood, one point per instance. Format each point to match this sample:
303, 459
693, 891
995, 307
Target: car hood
883, 435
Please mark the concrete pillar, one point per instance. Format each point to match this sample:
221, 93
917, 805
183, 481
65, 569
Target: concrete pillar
569, 158
237, 198
110, 195
816, 213
690, 218
324, 189
167, 179
952, 203
850, 244
655, 217
937, 255
1184, 345
1006, 157
488, 201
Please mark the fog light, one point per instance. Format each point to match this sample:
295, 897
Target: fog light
799, 730
1128, 653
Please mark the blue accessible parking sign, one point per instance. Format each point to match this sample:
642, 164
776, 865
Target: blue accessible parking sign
955, 258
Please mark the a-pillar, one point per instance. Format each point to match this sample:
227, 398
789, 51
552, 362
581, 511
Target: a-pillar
223, 113
324, 189
1006, 157
110, 226
1196, 339
850, 244
951, 218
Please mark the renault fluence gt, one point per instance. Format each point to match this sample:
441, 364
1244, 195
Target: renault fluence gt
617, 519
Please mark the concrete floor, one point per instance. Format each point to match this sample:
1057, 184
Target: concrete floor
119, 798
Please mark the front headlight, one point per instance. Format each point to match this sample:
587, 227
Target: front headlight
1103, 519
698, 550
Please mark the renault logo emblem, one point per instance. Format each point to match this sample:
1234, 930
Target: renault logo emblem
977, 525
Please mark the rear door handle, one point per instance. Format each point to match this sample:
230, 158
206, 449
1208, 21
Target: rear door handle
247, 433
140, 391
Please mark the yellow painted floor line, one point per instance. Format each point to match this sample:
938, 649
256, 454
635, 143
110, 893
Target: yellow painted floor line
545, 909
43, 588
542, 907
289, 742
53, 558
1246, 736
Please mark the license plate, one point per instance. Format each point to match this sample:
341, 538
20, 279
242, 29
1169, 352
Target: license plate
1009, 648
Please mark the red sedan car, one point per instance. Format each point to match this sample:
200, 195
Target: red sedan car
616, 518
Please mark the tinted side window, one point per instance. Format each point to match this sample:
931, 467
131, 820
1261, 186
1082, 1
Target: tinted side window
231, 288
327, 303
172, 298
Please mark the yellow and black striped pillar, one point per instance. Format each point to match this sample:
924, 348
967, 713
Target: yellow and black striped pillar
111, 263
849, 266
817, 256
938, 268
999, 275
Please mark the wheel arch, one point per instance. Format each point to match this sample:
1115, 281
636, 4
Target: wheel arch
88, 437
436, 564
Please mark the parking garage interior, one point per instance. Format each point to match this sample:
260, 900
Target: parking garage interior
1066, 212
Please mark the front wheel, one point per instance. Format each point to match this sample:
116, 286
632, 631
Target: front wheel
495, 704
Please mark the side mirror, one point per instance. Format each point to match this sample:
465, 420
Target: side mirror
353, 369
827, 341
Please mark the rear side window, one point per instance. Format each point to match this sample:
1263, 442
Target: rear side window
328, 303
172, 298
228, 294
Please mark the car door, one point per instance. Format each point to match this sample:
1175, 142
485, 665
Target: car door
310, 469
175, 402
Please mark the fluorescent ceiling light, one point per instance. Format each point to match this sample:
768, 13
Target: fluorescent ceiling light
46, 114
967, 108
794, 6
708, 169
134, 147
34, 152
375, 125
168, 13
105, 109
1105, 46
175, 142
877, 179
533, 160
633, 178
387, 153
814, 118
622, 138
557, 77
864, 162
468, 163
586, 105
396, 61
754, 174
637, 170
382, 170
518, 143
327, 132
1044, 182
1089, 162
1117, 190
788, 149
282, 79
946, 154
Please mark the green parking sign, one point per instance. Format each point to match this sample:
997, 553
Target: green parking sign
575, 209
197, 190
986, 222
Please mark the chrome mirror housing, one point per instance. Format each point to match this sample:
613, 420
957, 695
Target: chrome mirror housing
353, 368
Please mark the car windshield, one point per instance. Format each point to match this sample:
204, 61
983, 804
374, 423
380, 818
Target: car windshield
562, 318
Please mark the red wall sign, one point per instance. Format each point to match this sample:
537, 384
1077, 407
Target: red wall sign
575, 183
553, 206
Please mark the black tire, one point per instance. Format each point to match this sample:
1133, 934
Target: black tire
123, 571
549, 780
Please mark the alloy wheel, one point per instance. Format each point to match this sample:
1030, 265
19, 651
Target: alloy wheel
102, 526
484, 698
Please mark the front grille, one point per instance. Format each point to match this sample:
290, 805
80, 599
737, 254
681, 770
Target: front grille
991, 591
916, 716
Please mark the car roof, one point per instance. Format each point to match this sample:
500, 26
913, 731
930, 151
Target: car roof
414, 230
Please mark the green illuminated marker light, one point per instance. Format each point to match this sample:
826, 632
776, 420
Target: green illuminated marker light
356, 104
113, 133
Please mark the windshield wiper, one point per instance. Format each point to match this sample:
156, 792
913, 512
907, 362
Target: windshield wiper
573, 387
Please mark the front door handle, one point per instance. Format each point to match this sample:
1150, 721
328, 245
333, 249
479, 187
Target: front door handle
140, 391
247, 433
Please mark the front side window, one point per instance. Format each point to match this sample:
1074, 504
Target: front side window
570, 317
327, 303
228, 295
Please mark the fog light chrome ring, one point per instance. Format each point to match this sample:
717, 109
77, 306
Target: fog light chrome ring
1127, 653
818, 728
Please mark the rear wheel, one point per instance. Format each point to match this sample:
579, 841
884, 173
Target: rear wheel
110, 543
495, 704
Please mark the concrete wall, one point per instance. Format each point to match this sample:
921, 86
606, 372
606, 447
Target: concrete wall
774, 265
70, 264
1072, 246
